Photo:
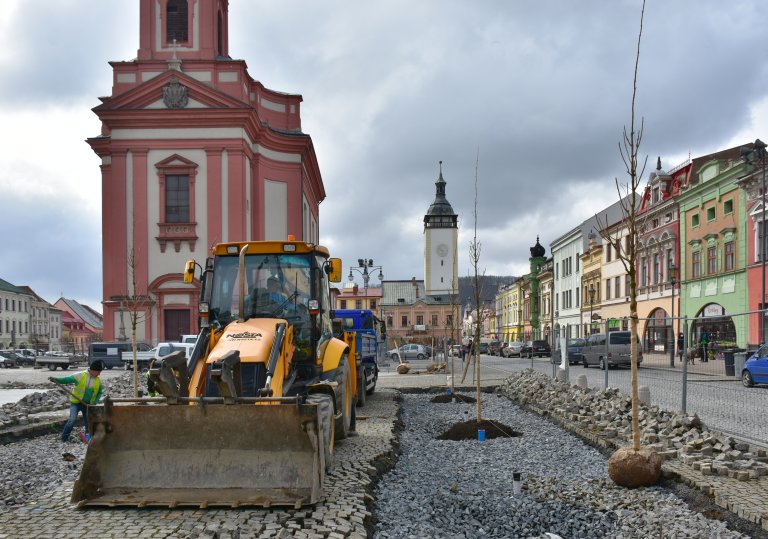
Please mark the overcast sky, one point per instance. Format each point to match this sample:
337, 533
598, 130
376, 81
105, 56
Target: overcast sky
539, 90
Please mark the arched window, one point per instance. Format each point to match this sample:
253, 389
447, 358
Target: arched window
176, 21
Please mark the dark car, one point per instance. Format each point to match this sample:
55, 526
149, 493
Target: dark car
8, 359
575, 347
536, 349
494, 348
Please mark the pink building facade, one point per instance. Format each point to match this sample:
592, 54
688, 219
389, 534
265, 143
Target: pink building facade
193, 152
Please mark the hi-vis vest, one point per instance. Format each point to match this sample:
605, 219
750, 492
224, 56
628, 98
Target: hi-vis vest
82, 385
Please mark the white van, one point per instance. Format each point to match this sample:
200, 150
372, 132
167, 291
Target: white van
188, 339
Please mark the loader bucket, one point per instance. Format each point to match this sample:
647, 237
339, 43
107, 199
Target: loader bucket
202, 455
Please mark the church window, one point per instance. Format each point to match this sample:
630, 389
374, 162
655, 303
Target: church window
176, 190
176, 21
220, 36
177, 199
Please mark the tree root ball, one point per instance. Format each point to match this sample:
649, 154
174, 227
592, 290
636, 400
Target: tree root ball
403, 368
632, 469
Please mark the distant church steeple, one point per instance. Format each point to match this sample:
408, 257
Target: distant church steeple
440, 244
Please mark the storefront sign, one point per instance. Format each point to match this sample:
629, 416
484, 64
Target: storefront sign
714, 310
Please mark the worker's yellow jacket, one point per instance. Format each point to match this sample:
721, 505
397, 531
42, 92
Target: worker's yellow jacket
89, 395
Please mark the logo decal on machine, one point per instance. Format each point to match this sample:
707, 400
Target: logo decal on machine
245, 336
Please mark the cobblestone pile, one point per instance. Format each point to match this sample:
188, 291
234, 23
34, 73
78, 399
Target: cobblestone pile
607, 413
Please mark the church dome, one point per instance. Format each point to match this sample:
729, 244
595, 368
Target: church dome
537, 250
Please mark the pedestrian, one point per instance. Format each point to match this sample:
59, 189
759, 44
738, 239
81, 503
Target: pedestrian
704, 342
87, 392
470, 348
681, 346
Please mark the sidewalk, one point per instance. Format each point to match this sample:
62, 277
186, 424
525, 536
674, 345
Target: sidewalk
660, 360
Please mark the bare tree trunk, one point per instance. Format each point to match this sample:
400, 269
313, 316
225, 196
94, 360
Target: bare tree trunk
474, 256
629, 149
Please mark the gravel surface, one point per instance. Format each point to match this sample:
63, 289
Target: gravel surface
466, 489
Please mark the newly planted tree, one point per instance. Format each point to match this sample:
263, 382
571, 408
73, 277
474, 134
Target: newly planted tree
631, 466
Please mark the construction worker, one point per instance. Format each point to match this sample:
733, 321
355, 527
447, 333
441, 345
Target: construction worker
87, 391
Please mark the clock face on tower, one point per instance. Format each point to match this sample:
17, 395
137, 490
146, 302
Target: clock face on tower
442, 249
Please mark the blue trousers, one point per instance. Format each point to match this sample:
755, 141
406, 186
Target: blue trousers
74, 409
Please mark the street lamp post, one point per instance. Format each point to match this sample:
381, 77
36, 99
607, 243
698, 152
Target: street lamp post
591, 301
363, 265
672, 271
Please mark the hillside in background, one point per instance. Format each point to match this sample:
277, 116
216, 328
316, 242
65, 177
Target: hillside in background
490, 284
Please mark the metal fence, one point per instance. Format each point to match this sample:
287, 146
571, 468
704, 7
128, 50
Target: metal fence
700, 373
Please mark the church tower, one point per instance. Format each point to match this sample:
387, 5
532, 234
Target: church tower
441, 233
194, 151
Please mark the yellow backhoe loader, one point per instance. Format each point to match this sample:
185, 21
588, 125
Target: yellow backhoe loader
251, 418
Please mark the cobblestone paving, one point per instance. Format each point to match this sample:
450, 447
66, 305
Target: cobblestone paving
342, 514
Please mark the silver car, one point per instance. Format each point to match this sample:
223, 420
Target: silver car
512, 349
409, 351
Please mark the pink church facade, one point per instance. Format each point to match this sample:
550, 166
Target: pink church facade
193, 152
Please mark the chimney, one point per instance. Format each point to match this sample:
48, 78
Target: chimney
415, 286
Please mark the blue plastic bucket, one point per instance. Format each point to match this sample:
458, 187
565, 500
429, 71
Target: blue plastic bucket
481, 435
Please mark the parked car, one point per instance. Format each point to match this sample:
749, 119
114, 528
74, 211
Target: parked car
494, 348
25, 356
513, 349
575, 347
484, 348
7, 359
755, 370
536, 349
455, 350
616, 353
409, 351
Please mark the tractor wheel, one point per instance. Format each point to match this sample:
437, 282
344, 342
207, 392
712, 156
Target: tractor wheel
345, 408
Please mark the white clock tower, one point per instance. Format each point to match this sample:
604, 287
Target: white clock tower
441, 234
